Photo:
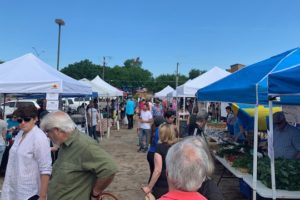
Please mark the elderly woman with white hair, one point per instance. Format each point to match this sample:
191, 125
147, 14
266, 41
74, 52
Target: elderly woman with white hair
188, 166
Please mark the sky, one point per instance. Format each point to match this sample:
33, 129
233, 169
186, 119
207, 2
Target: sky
197, 34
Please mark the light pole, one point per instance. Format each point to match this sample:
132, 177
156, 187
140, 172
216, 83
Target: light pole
60, 23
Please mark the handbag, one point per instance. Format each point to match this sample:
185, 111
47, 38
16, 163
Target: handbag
149, 196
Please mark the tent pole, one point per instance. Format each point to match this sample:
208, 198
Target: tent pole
255, 144
86, 122
271, 128
183, 103
4, 100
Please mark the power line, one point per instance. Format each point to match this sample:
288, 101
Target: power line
171, 81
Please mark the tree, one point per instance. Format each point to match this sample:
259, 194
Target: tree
133, 63
1, 61
195, 73
131, 76
82, 69
168, 79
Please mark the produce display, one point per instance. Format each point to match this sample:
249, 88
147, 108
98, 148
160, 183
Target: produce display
287, 171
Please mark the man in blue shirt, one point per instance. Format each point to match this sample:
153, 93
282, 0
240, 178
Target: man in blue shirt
286, 138
130, 105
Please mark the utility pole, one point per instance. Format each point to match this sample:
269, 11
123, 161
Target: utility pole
104, 63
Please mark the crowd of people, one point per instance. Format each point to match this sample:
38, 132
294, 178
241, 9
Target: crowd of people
180, 168
81, 170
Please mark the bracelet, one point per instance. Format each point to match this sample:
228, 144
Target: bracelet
95, 196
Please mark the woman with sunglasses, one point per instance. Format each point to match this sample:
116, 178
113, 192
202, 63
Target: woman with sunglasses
29, 162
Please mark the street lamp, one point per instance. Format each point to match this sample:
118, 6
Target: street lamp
60, 23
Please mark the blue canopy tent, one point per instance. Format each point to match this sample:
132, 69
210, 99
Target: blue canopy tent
249, 85
286, 85
285, 82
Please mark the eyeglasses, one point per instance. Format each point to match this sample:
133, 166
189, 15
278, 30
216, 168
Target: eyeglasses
47, 131
25, 119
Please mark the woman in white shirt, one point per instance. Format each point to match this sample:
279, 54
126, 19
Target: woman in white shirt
29, 163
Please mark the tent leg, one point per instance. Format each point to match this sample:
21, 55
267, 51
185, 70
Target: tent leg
118, 125
254, 184
271, 154
108, 132
4, 100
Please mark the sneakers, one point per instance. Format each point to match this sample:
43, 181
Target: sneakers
145, 150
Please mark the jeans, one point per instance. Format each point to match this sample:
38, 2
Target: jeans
2, 148
144, 133
130, 121
92, 132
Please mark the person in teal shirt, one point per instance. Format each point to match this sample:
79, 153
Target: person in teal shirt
130, 106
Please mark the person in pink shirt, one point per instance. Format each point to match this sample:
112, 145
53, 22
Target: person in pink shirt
186, 168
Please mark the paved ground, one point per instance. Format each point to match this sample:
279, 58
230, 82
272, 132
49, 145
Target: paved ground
134, 168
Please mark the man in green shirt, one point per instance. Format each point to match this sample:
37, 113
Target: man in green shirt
83, 169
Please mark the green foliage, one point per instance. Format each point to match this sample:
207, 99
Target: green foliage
168, 79
244, 161
133, 63
131, 76
82, 69
287, 173
195, 73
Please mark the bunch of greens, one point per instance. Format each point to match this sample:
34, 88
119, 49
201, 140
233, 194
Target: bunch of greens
228, 148
287, 173
244, 161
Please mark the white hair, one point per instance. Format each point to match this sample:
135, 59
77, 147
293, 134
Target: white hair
200, 142
58, 119
187, 166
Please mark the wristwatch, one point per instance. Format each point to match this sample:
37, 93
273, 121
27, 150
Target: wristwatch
95, 195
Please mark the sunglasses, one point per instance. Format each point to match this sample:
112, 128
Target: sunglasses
25, 119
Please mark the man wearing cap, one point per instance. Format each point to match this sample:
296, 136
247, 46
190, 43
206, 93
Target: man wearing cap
286, 138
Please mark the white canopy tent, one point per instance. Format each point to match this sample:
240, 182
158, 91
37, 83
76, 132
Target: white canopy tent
101, 91
174, 93
164, 92
30, 75
190, 88
113, 92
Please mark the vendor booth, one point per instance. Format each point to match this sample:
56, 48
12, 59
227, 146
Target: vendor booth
112, 91
164, 92
249, 85
190, 88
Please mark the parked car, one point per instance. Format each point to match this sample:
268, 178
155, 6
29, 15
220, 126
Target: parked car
11, 106
68, 105
79, 100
